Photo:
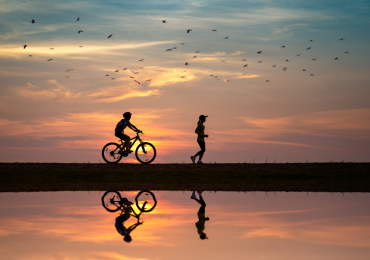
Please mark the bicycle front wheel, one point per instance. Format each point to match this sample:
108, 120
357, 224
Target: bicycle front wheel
111, 201
145, 153
111, 153
145, 201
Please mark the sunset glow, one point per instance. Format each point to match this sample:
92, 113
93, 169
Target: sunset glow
283, 81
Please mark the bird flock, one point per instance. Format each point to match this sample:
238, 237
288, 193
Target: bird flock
187, 63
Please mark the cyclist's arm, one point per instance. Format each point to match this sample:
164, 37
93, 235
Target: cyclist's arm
132, 127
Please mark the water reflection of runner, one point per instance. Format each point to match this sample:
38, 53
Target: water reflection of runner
201, 215
125, 232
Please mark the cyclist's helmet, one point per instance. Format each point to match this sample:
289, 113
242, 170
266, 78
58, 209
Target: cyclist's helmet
127, 115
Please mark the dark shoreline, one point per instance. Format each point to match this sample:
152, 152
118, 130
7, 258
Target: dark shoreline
289, 177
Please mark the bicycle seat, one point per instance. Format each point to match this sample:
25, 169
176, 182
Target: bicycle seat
127, 202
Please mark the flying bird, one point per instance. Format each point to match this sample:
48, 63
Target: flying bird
194, 56
33, 21
164, 21
116, 71
313, 59
222, 61
227, 37
285, 68
214, 30
246, 65
182, 43
244, 60
132, 77
174, 48
110, 36
141, 60
30, 55
107, 75
259, 61
304, 69
259, 52
287, 60
211, 75
189, 30
267, 80
135, 72
182, 77
49, 59
148, 80
169, 50
336, 58
341, 39
78, 19
309, 48
311, 40
81, 46
311, 75
24, 46
227, 80
274, 66
197, 52
113, 78
298, 55
80, 31
125, 69
67, 77
141, 68
137, 82
187, 63
283, 46
346, 52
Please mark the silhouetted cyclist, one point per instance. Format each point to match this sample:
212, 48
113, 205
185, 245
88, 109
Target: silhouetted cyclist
200, 131
121, 127
201, 215
125, 232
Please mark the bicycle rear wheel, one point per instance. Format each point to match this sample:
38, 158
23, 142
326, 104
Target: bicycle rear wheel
111, 201
145, 201
145, 153
111, 153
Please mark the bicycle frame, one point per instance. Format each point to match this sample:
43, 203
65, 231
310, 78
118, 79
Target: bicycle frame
132, 143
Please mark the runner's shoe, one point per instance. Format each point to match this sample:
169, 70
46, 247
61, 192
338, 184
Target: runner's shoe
200, 192
193, 196
200, 162
192, 158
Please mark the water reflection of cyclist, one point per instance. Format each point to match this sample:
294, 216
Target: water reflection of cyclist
201, 215
125, 232
122, 125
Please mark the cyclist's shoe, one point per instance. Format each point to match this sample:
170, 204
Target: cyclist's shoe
193, 196
200, 162
192, 158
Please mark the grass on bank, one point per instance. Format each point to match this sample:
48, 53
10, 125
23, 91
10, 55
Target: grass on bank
341, 177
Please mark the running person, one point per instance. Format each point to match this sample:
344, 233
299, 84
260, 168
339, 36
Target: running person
200, 131
121, 126
201, 215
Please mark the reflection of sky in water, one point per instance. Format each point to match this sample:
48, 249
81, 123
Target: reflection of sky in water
74, 225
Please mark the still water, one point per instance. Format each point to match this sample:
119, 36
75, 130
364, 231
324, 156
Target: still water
74, 225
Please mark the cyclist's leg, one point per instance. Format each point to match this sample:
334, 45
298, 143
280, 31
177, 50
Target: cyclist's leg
127, 140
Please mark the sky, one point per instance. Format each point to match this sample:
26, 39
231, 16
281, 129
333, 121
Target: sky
259, 225
66, 109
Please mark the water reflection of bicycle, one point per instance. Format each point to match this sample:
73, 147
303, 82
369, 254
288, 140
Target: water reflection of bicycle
112, 201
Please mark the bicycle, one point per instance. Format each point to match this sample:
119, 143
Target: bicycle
145, 201
145, 152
